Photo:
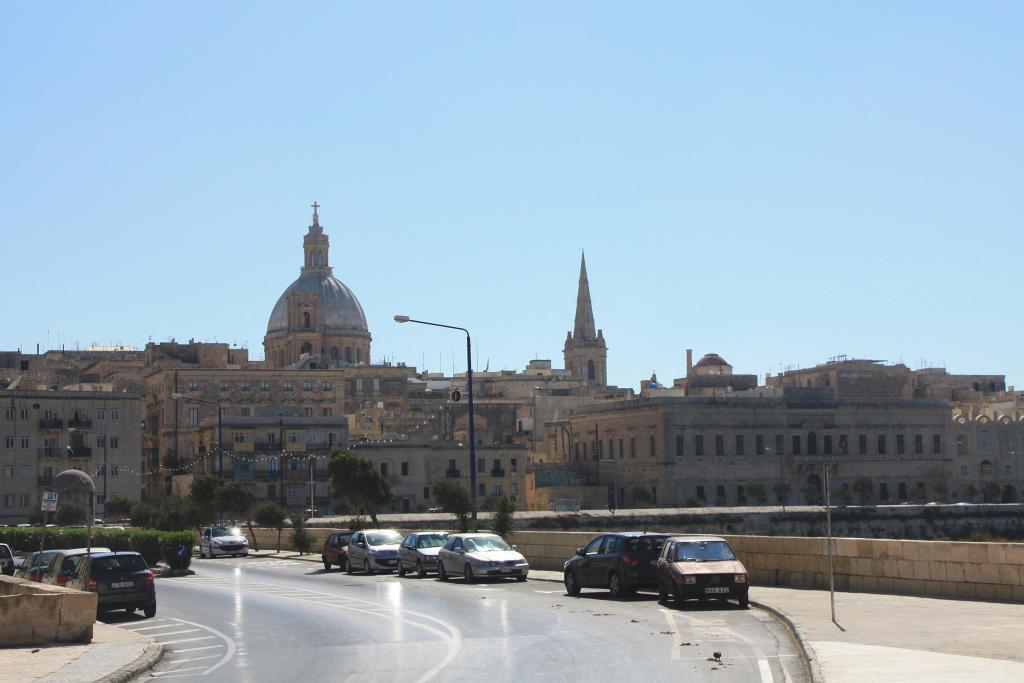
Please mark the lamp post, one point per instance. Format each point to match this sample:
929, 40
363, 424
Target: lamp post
220, 426
469, 390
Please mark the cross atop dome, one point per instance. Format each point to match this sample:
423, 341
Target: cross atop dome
316, 217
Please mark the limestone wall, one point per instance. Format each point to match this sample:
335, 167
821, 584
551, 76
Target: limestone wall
35, 613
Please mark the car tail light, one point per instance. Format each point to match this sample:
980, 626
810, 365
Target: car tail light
741, 578
62, 580
630, 560
150, 579
90, 585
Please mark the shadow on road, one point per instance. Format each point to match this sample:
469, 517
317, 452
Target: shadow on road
120, 617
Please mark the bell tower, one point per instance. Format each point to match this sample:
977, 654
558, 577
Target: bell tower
586, 354
316, 244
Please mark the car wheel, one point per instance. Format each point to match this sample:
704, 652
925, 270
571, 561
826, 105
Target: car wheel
615, 587
442, 575
149, 610
401, 568
348, 566
572, 586
677, 595
467, 573
662, 594
202, 553
366, 566
744, 602
327, 565
420, 571
520, 578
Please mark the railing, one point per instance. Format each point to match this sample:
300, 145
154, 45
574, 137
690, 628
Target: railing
80, 422
79, 452
453, 474
497, 472
51, 423
266, 446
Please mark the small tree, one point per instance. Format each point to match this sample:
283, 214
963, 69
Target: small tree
781, 491
176, 514
68, 515
203, 493
864, 490
118, 507
811, 493
356, 479
758, 493
144, 515
270, 515
300, 536
504, 521
451, 496
234, 499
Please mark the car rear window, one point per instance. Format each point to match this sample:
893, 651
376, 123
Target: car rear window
646, 543
118, 563
5, 552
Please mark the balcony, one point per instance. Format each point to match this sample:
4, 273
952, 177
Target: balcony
453, 474
498, 472
51, 423
266, 446
80, 423
79, 452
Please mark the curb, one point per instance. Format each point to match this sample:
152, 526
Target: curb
153, 653
806, 650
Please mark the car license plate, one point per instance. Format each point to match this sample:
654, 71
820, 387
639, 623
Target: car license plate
719, 589
123, 584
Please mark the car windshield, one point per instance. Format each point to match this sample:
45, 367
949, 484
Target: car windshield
383, 538
703, 551
225, 531
483, 544
117, 564
42, 559
431, 540
5, 551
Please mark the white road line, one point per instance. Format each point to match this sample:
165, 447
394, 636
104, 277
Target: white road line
677, 651
173, 662
151, 628
194, 649
187, 640
766, 671
176, 671
176, 633
228, 642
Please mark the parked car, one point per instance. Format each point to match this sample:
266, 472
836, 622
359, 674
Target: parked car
64, 562
418, 552
479, 555
35, 565
121, 580
336, 548
215, 541
621, 562
372, 550
701, 567
6, 559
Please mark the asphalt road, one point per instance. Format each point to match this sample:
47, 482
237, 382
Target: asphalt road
286, 620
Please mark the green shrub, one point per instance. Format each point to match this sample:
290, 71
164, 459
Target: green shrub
170, 542
147, 543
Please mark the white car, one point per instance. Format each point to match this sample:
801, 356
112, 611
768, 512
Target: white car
6, 559
478, 556
223, 540
372, 550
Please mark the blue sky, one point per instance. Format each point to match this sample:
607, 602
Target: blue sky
776, 184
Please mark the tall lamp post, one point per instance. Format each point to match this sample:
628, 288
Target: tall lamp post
220, 426
469, 389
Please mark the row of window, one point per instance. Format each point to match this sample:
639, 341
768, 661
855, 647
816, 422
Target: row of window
596, 449
758, 493
293, 437
83, 414
24, 442
812, 444
263, 386
246, 411
987, 469
497, 468
984, 443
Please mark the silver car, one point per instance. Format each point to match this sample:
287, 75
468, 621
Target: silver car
480, 555
418, 552
373, 550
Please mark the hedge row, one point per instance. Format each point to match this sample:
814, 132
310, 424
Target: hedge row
155, 546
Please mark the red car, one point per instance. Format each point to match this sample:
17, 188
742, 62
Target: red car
335, 549
702, 568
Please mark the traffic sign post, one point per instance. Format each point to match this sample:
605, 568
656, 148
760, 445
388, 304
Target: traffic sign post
49, 501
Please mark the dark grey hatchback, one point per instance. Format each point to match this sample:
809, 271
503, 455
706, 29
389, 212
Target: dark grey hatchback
120, 580
621, 562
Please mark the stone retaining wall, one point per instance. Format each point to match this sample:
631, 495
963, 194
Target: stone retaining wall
34, 613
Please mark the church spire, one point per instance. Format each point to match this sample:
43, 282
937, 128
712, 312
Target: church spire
584, 329
316, 245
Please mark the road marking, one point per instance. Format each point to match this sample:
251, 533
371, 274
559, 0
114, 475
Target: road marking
190, 659
193, 649
677, 651
228, 642
187, 640
176, 671
150, 628
176, 633
766, 671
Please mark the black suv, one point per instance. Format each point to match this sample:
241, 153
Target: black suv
120, 580
621, 562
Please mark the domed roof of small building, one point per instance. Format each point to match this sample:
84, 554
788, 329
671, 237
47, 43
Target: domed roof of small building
339, 309
710, 360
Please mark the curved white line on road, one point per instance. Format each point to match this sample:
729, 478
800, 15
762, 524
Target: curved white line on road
228, 642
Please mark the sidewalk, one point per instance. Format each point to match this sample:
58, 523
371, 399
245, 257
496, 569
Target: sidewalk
114, 655
895, 638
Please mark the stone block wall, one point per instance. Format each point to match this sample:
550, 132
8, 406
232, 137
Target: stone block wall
35, 613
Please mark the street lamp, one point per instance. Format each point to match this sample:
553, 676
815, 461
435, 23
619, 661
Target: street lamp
220, 426
469, 389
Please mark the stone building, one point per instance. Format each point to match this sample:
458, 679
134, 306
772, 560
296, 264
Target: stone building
317, 319
43, 433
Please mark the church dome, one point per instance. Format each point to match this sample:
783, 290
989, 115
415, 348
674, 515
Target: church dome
710, 360
339, 310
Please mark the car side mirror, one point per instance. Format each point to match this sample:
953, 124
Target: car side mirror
515, 547
579, 551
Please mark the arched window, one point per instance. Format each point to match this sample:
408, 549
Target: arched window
306, 347
591, 374
987, 470
334, 353
348, 355
305, 319
812, 443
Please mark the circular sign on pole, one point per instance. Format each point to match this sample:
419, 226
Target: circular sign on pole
456, 395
